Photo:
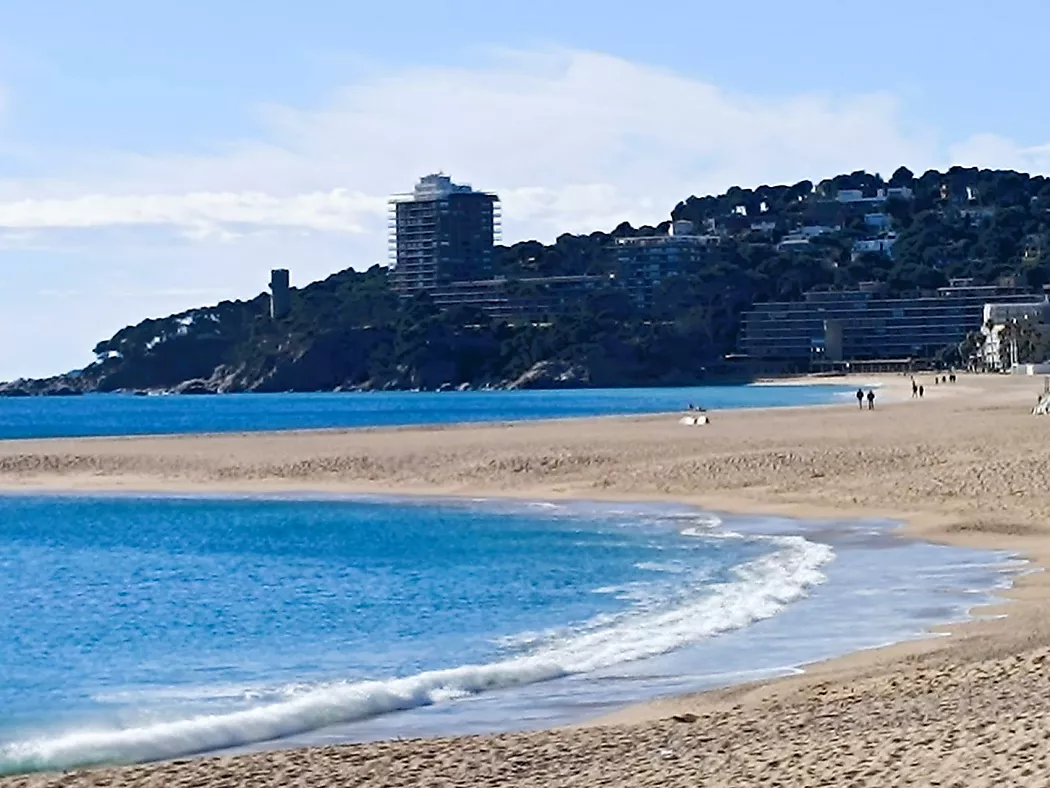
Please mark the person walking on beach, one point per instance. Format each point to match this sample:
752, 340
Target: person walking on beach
860, 398
914, 388
871, 399
920, 392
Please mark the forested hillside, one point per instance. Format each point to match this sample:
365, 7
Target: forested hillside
351, 330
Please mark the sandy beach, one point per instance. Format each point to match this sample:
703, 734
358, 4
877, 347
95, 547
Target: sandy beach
967, 465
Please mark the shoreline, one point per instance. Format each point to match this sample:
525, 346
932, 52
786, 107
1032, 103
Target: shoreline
630, 712
908, 525
788, 382
926, 471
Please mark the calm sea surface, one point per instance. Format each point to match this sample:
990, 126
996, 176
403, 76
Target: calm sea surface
116, 414
140, 628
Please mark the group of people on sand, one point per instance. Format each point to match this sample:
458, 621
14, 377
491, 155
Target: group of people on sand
917, 390
870, 396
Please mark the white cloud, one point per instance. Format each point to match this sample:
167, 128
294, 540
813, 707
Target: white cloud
996, 152
574, 141
202, 214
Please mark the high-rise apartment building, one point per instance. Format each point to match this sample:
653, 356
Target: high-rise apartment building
442, 232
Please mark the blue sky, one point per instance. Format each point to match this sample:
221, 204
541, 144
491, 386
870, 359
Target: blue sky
163, 155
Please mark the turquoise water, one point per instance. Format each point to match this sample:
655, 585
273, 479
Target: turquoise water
141, 628
117, 414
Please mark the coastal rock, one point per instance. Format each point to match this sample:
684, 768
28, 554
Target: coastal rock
194, 387
552, 375
62, 386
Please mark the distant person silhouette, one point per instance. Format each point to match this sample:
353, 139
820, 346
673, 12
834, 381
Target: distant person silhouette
860, 398
920, 392
914, 388
871, 399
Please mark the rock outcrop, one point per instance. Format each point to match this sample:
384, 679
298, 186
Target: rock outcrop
552, 375
62, 386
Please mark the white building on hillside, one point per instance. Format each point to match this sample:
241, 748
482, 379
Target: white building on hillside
882, 245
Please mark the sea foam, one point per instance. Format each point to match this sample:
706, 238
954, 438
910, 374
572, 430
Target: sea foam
758, 590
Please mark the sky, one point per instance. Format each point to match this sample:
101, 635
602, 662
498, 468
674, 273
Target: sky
158, 156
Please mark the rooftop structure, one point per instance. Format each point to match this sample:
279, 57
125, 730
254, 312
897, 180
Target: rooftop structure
441, 232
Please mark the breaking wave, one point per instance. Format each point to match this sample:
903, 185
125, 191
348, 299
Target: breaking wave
758, 590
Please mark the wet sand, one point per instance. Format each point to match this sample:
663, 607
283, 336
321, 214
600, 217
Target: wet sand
968, 465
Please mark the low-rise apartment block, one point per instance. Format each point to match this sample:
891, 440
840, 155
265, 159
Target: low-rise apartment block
643, 262
856, 325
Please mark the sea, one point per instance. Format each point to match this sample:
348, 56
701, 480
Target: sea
125, 414
138, 627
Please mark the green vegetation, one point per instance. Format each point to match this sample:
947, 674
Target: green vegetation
350, 330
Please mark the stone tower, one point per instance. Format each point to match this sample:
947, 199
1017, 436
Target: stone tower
280, 293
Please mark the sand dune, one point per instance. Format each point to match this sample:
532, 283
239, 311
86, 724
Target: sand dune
967, 464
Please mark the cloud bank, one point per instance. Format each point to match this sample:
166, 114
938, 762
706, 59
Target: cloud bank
337, 210
573, 141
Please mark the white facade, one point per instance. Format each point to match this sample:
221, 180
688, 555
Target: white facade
883, 245
856, 195
995, 319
